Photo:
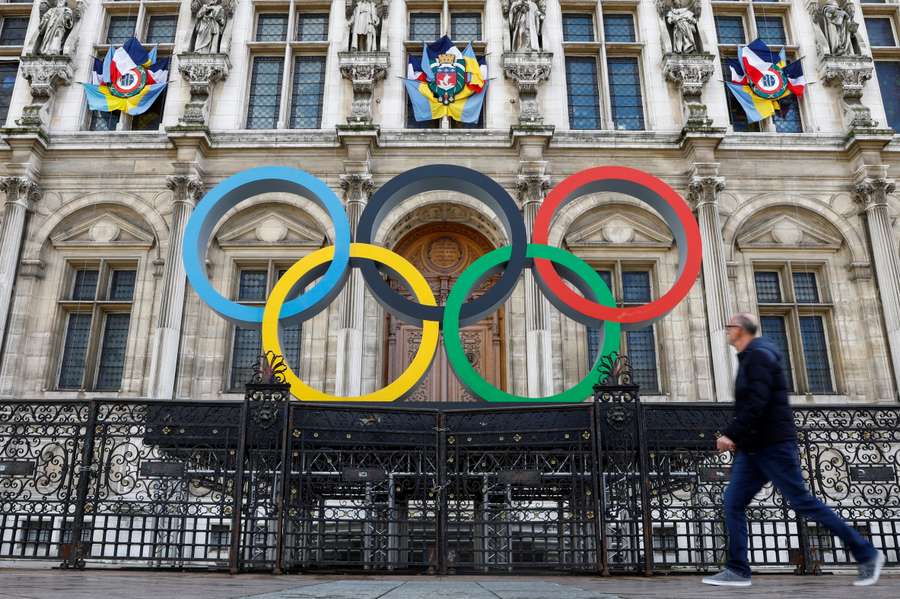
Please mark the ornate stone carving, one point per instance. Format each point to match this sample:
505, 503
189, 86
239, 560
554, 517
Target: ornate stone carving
528, 70
680, 18
850, 73
202, 72
44, 74
364, 70
357, 187
20, 190
690, 72
704, 189
364, 19
873, 191
835, 27
212, 28
532, 187
185, 188
524, 19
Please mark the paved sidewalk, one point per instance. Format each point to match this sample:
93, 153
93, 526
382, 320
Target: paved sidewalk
118, 584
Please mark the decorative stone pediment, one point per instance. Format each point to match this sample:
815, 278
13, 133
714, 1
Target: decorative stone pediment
268, 229
618, 229
106, 229
787, 232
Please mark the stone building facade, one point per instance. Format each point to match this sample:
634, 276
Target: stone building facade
799, 216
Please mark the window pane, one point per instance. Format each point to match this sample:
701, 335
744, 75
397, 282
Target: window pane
120, 29
771, 30
8, 72
306, 97
290, 344
774, 329
789, 122
85, 286
252, 286
112, 354
271, 27
815, 353
312, 27
71, 371
625, 93
121, 289
880, 32
736, 114
730, 30
768, 289
104, 121
641, 353
244, 357
618, 28
13, 31
581, 84
152, 118
888, 73
465, 26
265, 92
805, 289
424, 26
593, 335
636, 287
578, 28
161, 29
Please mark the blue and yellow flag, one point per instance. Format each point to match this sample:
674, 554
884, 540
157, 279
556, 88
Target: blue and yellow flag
445, 81
129, 79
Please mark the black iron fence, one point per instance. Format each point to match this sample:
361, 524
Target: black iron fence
271, 484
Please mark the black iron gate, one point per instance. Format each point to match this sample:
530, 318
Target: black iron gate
275, 485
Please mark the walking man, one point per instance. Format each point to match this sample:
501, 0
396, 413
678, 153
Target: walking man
764, 440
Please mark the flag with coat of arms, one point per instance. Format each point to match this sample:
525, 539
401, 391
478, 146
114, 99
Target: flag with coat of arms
446, 82
130, 78
761, 80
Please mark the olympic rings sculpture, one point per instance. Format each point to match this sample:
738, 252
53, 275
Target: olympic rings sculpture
327, 269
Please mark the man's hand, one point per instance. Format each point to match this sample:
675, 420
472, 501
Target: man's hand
723, 443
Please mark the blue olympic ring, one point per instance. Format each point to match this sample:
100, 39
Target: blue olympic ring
246, 184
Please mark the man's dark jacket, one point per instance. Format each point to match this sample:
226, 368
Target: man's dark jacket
762, 414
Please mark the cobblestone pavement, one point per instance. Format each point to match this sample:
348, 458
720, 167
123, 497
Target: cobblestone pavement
108, 584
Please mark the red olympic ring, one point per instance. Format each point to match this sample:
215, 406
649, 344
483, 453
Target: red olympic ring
647, 188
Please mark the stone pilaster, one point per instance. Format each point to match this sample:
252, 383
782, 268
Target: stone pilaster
21, 195
705, 186
202, 72
186, 190
871, 193
349, 368
364, 70
533, 184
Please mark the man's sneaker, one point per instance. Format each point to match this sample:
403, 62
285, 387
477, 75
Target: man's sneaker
870, 571
728, 578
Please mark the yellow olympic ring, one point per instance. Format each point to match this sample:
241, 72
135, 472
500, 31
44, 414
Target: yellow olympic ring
404, 269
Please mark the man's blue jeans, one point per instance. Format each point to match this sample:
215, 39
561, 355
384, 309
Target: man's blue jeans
779, 463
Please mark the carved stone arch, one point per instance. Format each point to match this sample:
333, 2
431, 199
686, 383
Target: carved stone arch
318, 217
589, 215
737, 222
152, 219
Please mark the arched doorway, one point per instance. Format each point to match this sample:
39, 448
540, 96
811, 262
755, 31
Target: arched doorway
441, 251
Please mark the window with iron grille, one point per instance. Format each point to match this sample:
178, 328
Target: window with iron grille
465, 26
771, 30
271, 27
625, 92
104, 121
8, 73
265, 92
12, 31
424, 26
794, 315
578, 27
308, 91
730, 29
888, 73
312, 27
618, 27
161, 29
253, 287
881, 32
736, 114
583, 92
96, 311
120, 28
634, 288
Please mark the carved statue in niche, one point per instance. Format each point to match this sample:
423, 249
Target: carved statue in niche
210, 28
680, 18
525, 18
364, 17
53, 36
836, 29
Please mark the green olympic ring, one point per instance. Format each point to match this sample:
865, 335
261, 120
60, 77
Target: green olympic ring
484, 267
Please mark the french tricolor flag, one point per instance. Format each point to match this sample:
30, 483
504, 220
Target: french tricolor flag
753, 59
796, 78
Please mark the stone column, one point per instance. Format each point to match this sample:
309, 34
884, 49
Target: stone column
532, 185
349, 367
705, 186
871, 192
21, 194
186, 189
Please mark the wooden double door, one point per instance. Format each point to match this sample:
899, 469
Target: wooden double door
441, 251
